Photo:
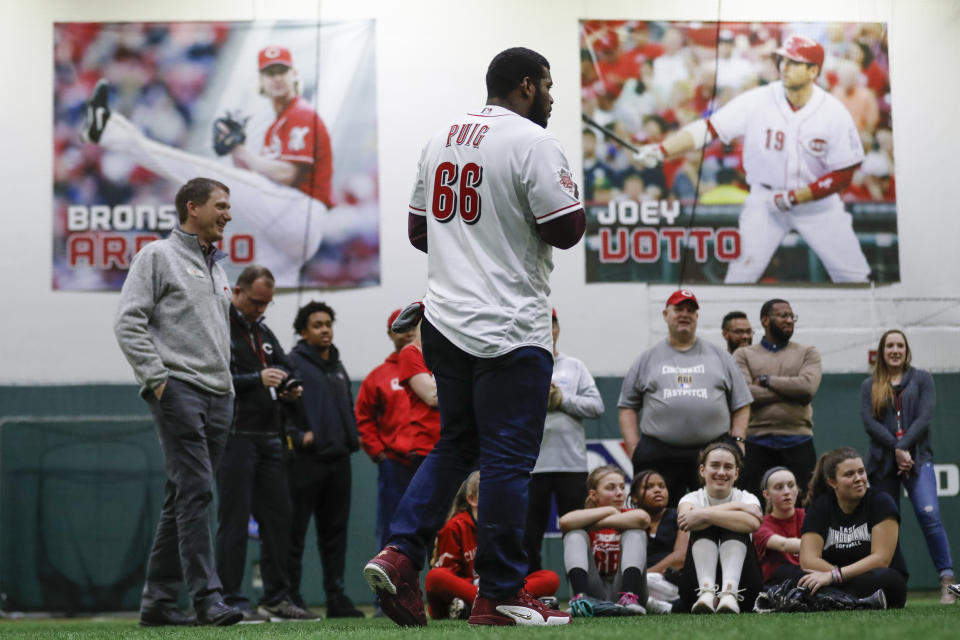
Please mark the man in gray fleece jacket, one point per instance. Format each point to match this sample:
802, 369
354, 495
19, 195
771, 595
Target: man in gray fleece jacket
172, 324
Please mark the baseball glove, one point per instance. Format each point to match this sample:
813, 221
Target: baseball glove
228, 132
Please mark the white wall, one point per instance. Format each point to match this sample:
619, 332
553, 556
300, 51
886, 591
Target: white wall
431, 56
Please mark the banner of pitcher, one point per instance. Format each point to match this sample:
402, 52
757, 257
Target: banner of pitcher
284, 114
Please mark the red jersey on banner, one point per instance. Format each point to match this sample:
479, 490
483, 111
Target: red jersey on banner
424, 419
457, 546
298, 135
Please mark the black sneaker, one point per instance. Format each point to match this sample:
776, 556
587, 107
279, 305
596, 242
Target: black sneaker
97, 112
340, 606
286, 610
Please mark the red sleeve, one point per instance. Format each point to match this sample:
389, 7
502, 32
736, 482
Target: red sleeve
833, 182
417, 231
367, 411
450, 548
762, 536
565, 231
411, 363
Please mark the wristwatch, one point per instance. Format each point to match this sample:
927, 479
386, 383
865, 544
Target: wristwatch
764, 381
738, 438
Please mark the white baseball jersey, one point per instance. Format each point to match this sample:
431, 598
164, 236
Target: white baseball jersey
484, 183
787, 149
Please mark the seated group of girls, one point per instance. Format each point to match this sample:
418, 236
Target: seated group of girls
717, 550
712, 554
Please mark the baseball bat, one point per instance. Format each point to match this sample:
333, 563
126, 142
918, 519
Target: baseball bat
608, 133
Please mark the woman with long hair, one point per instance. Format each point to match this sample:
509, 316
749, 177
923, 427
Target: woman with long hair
850, 532
605, 549
896, 405
451, 584
720, 519
777, 541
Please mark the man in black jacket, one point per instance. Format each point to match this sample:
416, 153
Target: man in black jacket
325, 435
252, 477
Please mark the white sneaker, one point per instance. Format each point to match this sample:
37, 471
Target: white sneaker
707, 602
728, 602
629, 601
655, 605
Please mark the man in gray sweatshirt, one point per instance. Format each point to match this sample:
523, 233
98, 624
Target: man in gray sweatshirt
172, 325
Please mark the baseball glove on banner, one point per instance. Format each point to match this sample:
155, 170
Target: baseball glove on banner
228, 132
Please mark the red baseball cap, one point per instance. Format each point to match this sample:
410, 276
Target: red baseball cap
682, 295
274, 55
393, 316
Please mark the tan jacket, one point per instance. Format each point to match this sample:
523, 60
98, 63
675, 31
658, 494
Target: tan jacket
783, 407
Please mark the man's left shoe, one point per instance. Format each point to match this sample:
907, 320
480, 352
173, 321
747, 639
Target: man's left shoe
166, 618
219, 614
340, 606
97, 112
522, 609
949, 590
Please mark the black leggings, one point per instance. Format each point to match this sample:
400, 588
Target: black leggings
751, 577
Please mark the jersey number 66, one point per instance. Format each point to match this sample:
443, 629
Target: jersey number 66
455, 190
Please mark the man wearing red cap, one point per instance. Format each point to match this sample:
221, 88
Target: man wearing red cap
283, 193
800, 149
383, 423
690, 393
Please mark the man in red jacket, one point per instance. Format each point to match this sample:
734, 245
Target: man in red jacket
383, 423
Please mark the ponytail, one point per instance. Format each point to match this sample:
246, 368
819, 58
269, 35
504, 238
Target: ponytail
827, 469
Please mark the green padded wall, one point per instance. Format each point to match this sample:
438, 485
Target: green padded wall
81, 478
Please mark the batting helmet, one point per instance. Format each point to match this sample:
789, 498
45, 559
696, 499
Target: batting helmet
802, 49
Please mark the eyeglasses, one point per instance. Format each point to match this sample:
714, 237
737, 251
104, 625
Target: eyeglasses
742, 332
263, 304
785, 316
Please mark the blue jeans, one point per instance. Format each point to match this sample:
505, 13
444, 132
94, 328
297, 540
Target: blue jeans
393, 478
492, 412
921, 486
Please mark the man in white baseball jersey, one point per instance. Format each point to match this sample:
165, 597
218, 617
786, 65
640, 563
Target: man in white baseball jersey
283, 193
493, 193
800, 149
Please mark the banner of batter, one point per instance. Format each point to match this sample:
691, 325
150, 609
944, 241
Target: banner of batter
738, 152
283, 113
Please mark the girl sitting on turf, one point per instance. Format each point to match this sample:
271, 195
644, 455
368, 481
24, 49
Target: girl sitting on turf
850, 532
605, 549
666, 543
452, 583
720, 519
778, 539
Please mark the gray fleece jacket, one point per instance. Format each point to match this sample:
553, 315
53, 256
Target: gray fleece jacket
173, 318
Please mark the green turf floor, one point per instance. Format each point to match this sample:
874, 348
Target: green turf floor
923, 619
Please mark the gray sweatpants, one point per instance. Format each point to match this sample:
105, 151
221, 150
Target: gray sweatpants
192, 426
577, 554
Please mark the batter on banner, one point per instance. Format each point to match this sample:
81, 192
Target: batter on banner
800, 149
493, 193
284, 192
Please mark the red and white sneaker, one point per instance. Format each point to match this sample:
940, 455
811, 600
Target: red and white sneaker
396, 582
522, 609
